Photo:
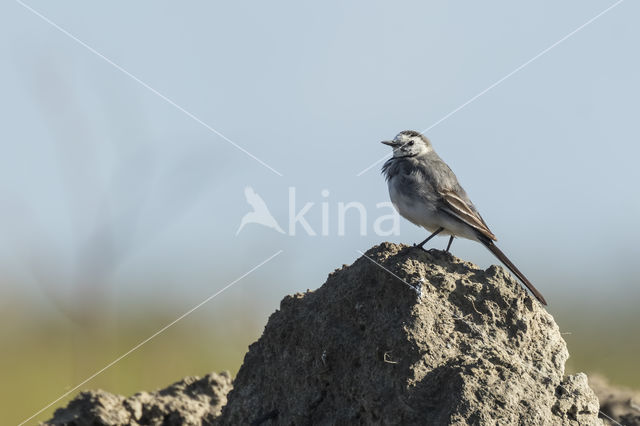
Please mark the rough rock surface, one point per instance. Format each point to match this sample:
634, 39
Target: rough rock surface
404, 336
399, 337
191, 401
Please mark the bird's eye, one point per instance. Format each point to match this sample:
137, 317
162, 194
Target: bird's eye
410, 143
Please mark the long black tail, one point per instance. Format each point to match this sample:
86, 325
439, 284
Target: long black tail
504, 259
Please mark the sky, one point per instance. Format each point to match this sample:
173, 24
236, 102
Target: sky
130, 132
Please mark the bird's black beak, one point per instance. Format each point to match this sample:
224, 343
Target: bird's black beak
392, 144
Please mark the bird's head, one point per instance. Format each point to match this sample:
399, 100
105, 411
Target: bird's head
409, 143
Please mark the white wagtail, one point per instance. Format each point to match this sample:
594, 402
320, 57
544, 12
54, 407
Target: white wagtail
425, 191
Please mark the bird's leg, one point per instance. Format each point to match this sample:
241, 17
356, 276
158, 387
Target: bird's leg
449, 245
421, 245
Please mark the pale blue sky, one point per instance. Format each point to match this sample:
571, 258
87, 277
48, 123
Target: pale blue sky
97, 168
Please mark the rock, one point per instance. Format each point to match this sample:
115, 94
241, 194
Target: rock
401, 336
404, 336
191, 401
616, 404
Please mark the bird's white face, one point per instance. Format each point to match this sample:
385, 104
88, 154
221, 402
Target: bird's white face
409, 144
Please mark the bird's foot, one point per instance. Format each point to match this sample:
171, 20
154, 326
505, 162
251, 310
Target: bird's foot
420, 247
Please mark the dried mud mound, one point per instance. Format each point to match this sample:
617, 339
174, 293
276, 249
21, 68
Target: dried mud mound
191, 401
404, 336
401, 336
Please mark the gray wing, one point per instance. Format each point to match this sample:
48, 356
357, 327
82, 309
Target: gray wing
456, 206
454, 199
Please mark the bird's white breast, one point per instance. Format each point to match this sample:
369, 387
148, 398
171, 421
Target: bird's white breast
413, 209
421, 212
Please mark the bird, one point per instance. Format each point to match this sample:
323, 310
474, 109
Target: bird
425, 191
260, 214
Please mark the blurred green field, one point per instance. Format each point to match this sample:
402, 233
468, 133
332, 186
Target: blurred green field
604, 341
44, 357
